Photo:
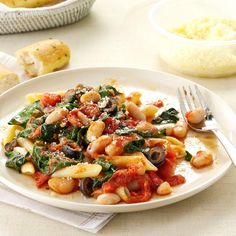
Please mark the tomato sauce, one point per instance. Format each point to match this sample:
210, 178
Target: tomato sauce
50, 99
167, 170
40, 179
90, 110
111, 125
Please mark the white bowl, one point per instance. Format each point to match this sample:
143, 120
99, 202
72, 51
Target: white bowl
18, 20
202, 58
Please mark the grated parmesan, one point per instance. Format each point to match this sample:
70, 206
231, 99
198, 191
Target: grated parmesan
208, 29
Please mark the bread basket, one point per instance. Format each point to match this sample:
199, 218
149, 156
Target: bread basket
18, 20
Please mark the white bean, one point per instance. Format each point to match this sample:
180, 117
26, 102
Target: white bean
113, 149
146, 126
202, 159
98, 146
28, 168
95, 130
180, 129
123, 193
56, 115
135, 111
117, 146
62, 185
164, 189
83, 118
108, 199
196, 116
169, 130
91, 96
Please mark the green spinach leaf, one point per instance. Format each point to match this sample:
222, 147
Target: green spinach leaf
25, 133
23, 116
108, 170
81, 136
16, 160
49, 131
48, 162
71, 132
188, 156
162, 132
134, 146
106, 165
108, 91
144, 134
69, 106
168, 116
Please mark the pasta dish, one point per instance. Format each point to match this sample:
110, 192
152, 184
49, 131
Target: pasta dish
101, 142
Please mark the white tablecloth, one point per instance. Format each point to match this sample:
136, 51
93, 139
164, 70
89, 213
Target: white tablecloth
117, 33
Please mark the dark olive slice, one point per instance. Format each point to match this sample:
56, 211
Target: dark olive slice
86, 186
157, 155
108, 104
70, 152
112, 108
10, 146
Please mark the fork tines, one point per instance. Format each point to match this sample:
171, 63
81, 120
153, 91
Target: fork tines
192, 98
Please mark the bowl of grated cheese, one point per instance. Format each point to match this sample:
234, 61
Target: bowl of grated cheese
197, 37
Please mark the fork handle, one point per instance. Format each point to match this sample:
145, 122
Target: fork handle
229, 147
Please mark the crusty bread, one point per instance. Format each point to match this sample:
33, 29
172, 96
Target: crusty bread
27, 3
8, 79
43, 57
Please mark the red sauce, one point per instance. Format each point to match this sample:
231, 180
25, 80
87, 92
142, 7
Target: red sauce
168, 168
123, 178
158, 103
130, 123
90, 110
36, 133
145, 192
120, 178
73, 118
50, 99
40, 179
111, 125
176, 180
155, 179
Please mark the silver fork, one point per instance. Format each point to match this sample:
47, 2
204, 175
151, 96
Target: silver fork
190, 99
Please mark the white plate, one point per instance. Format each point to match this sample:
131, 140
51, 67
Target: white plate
135, 78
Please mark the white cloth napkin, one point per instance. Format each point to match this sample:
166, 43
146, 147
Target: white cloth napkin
91, 222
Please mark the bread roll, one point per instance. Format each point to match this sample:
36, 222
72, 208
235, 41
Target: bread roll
43, 57
8, 79
27, 3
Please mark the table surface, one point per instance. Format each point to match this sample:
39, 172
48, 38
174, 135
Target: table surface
117, 33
